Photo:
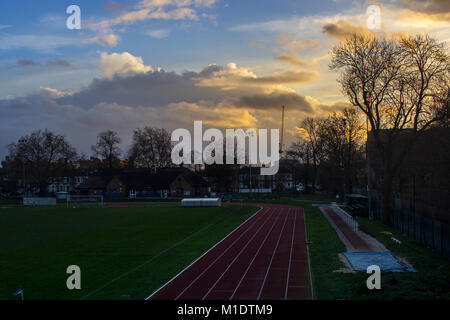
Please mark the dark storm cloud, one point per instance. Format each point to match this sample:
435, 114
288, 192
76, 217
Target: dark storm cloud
157, 88
275, 100
342, 29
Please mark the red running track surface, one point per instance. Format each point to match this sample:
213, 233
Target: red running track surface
264, 258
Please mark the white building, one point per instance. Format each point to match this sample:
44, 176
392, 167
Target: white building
65, 184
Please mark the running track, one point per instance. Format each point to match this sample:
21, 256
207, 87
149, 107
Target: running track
264, 258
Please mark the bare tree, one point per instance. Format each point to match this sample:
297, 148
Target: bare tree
39, 153
151, 146
398, 84
342, 135
107, 147
310, 128
163, 146
301, 151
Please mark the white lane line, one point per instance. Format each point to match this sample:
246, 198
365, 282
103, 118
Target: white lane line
253, 215
254, 257
290, 256
237, 256
309, 258
221, 255
271, 260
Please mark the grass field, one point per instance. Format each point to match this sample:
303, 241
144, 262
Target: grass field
123, 253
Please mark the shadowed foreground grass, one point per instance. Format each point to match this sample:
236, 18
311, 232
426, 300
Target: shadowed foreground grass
123, 253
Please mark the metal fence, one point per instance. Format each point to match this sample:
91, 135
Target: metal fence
348, 219
433, 233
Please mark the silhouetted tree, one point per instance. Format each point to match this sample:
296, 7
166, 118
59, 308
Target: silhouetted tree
107, 147
151, 146
397, 84
39, 154
310, 128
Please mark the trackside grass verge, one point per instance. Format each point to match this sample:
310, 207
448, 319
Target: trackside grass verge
432, 281
323, 250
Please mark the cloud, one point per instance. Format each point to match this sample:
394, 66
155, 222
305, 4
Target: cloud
428, 6
5, 27
159, 33
51, 93
255, 44
293, 60
274, 26
286, 77
342, 29
292, 44
233, 76
116, 6
27, 63
42, 43
124, 64
55, 62
145, 10
275, 101
105, 39
59, 63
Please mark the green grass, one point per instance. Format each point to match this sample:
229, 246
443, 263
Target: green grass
432, 281
323, 250
123, 253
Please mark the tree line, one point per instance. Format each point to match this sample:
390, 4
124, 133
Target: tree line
332, 151
402, 86
36, 157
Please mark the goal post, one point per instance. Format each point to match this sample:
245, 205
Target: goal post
76, 201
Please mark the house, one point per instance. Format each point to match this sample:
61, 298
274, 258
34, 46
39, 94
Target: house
283, 180
65, 183
250, 178
143, 183
189, 184
107, 186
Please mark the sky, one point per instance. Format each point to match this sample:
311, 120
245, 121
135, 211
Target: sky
166, 63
